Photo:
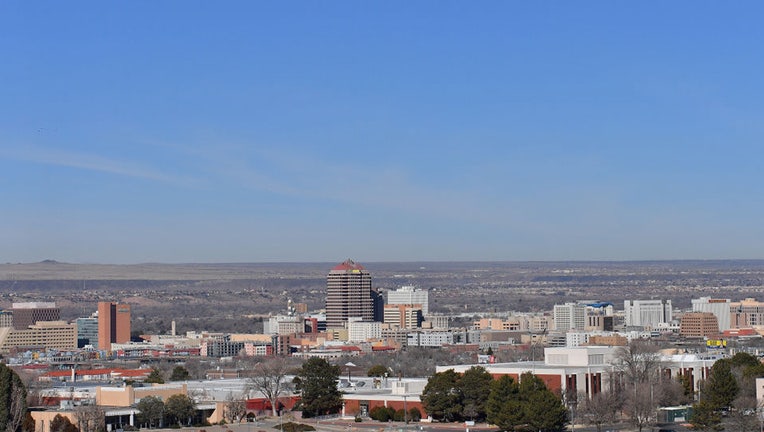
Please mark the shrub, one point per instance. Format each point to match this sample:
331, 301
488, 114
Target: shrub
383, 414
295, 427
399, 415
415, 415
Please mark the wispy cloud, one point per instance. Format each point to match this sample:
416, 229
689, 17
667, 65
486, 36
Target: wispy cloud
91, 162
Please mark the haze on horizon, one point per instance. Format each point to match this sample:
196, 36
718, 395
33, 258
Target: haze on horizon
382, 131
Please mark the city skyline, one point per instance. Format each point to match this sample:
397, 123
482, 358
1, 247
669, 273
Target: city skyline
435, 131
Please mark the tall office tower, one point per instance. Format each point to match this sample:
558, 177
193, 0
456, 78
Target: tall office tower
378, 305
348, 294
719, 307
87, 331
570, 316
27, 314
409, 295
646, 313
113, 324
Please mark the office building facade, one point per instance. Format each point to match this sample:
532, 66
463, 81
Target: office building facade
348, 294
113, 324
719, 307
647, 313
410, 295
27, 314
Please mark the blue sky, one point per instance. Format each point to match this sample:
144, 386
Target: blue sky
188, 131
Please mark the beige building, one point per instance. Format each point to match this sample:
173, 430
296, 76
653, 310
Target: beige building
47, 334
747, 313
403, 316
129, 395
699, 325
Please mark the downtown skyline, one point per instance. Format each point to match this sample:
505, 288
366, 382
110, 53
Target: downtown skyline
434, 131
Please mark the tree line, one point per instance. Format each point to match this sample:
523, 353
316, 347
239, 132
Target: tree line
525, 404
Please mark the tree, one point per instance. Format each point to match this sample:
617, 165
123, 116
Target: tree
722, 387
268, 379
377, 371
179, 373
179, 408
475, 385
62, 424
641, 405
13, 396
504, 408
442, 398
235, 409
28, 425
90, 418
544, 411
639, 361
317, 384
151, 411
598, 410
155, 377
705, 417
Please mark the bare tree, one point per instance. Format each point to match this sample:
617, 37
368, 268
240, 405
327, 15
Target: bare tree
601, 409
641, 406
90, 418
17, 409
268, 379
745, 416
235, 409
639, 361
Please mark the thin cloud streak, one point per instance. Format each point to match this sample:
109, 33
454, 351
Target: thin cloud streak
92, 162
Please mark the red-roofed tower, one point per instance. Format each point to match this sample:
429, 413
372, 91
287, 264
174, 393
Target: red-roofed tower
348, 294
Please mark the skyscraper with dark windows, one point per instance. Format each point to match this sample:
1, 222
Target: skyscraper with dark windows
348, 294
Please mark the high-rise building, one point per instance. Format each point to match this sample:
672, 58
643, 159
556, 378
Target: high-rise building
719, 307
87, 331
646, 313
27, 314
570, 316
410, 295
113, 324
348, 294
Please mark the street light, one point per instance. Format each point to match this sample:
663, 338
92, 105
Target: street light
349, 365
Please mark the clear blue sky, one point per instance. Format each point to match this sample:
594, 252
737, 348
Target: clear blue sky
431, 130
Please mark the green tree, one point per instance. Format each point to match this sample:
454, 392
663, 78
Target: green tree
155, 377
544, 411
377, 371
317, 384
475, 386
179, 373
705, 417
442, 397
179, 409
151, 411
504, 408
722, 387
13, 397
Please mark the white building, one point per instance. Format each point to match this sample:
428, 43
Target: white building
719, 307
361, 331
410, 295
430, 338
647, 313
570, 316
